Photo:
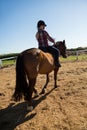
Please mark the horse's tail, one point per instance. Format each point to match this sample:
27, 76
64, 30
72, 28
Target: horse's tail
21, 87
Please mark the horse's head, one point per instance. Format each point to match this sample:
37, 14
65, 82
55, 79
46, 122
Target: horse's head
62, 48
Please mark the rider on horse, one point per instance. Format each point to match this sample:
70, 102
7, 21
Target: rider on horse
43, 37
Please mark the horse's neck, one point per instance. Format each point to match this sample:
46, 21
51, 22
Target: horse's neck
57, 45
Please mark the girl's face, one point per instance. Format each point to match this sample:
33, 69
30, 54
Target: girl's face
42, 27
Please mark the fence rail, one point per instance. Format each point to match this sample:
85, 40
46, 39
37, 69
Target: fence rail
80, 52
9, 58
76, 53
4, 59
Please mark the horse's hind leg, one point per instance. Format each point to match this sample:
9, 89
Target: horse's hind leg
47, 80
30, 92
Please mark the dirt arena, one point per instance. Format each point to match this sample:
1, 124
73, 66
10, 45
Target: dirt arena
63, 108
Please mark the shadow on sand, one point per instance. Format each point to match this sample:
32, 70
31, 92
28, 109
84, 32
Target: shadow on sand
16, 114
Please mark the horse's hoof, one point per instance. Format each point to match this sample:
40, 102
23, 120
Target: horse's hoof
56, 86
36, 95
29, 108
43, 91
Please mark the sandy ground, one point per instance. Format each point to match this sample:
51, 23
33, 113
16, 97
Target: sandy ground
63, 108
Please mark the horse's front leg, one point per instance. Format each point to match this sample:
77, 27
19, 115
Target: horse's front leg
47, 80
55, 77
36, 93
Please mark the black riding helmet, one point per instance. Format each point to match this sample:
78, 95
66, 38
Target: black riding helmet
41, 22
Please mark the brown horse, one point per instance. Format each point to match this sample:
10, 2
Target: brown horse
29, 64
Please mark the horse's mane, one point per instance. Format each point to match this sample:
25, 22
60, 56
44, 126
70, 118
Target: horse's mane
59, 43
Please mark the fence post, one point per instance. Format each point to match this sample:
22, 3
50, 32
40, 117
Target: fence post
0, 63
77, 55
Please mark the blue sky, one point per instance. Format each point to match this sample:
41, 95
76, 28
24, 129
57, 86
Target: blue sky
65, 19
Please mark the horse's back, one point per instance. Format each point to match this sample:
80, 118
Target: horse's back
31, 61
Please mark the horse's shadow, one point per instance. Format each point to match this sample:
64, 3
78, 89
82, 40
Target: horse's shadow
15, 115
37, 101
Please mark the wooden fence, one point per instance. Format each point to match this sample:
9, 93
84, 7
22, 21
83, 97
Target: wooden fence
9, 58
76, 53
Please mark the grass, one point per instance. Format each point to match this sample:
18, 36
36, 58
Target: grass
74, 58
8, 62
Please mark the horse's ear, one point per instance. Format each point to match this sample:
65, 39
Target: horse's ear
64, 41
